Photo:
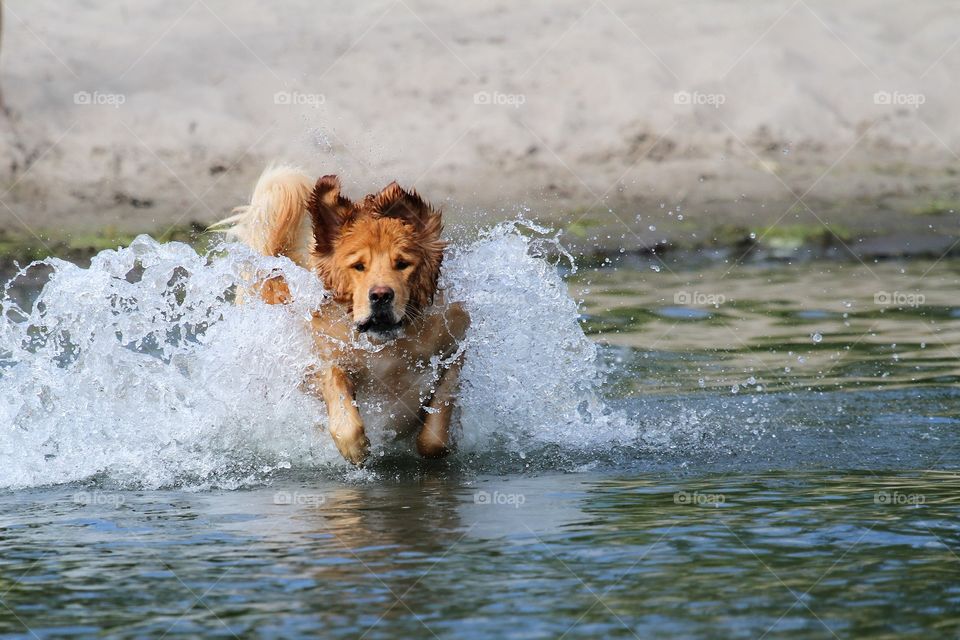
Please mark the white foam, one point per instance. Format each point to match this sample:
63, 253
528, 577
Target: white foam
531, 376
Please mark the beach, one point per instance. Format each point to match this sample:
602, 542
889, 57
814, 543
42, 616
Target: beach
627, 124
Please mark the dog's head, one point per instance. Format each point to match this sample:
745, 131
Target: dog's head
381, 257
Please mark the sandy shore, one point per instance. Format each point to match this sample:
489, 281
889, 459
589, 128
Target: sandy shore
613, 118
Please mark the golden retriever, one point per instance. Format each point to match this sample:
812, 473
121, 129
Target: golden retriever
379, 259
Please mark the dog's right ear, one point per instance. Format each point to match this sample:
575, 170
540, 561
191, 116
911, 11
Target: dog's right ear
329, 211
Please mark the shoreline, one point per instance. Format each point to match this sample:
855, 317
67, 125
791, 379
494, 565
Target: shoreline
734, 243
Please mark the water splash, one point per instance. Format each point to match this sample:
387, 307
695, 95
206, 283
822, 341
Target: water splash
141, 370
531, 377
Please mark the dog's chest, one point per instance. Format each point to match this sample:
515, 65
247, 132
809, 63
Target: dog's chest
392, 390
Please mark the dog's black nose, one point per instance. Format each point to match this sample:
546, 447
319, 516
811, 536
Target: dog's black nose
381, 295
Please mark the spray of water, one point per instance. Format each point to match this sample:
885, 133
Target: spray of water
531, 378
141, 370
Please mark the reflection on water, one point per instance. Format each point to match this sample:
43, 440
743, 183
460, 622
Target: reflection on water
796, 554
815, 326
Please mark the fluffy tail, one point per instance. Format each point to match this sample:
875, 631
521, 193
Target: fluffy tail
275, 223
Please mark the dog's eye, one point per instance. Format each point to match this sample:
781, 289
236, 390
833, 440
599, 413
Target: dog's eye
359, 266
402, 264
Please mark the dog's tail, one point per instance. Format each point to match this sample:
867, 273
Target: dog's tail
275, 223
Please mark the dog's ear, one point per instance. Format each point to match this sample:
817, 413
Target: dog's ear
423, 282
329, 211
395, 202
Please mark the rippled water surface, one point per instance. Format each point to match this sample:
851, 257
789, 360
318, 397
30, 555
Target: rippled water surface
762, 451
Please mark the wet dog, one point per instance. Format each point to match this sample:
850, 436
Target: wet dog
379, 259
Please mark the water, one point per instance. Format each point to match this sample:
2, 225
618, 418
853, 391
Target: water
763, 451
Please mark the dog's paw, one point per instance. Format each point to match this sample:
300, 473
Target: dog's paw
353, 447
432, 447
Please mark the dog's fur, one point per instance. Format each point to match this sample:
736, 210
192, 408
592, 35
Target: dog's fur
380, 260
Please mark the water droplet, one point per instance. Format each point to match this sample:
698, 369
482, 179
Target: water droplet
817, 338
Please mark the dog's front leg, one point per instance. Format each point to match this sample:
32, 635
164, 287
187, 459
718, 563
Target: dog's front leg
346, 427
433, 441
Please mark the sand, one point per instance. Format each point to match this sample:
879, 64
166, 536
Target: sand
609, 117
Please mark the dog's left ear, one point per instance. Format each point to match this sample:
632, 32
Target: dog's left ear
395, 202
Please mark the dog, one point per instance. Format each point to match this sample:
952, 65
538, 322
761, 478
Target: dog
379, 260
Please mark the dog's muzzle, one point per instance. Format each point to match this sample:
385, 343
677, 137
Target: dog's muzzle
381, 320
379, 325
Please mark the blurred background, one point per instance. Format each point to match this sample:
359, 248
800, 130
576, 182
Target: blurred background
647, 126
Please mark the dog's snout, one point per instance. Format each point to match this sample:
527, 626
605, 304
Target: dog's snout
381, 295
